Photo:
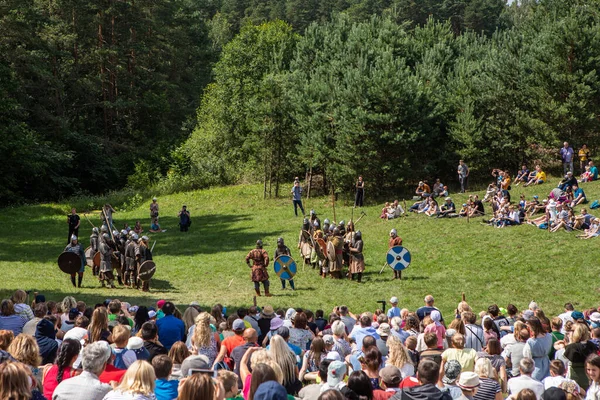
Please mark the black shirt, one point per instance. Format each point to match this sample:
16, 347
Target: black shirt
154, 349
73, 220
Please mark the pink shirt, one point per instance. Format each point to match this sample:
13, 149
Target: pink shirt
440, 332
246, 389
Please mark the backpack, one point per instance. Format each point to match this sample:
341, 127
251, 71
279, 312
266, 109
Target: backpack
595, 204
543, 226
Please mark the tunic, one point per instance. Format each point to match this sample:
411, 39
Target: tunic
106, 253
397, 241
338, 243
357, 263
130, 251
77, 249
260, 260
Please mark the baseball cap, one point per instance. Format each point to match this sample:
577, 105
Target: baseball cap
194, 362
270, 390
394, 300
151, 314
160, 303
528, 314
334, 356
239, 325
595, 317
335, 373
135, 343
576, 315
390, 375
328, 339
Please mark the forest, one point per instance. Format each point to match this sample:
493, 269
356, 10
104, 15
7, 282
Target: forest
184, 94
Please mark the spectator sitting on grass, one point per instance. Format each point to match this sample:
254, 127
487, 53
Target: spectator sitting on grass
522, 175
539, 178
447, 209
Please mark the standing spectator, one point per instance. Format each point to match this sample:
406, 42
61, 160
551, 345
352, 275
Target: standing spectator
360, 192
394, 310
73, 220
463, 176
584, 157
170, 328
184, 219
567, 153
87, 385
154, 209
538, 347
297, 196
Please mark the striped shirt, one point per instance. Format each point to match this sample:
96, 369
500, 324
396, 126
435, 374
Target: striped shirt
487, 389
24, 310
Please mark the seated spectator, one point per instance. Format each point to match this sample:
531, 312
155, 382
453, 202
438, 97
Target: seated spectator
466, 357
447, 209
593, 171
557, 376
539, 178
469, 383
583, 220
229, 381
395, 210
490, 192
428, 375
170, 328
178, 353
10, 320
578, 196
16, 382
19, 298
522, 175
489, 386
514, 353
432, 352
200, 386
123, 357
568, 181
384, 210
150, 336
524, 380
592, 231
586, 175
312, 359
450, 378
438, 188
359, 386
138, 383
432, 209
136, 344
418, 206
63, 368
390, 378
166, 389
423, 190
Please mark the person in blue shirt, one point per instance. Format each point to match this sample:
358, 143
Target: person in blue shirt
427, 308
297, 196
567, 154
170, 329
165, 389
593, 171
522, 175
578, 196
394, 310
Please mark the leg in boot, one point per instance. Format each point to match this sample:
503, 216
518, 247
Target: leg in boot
257, 288
359, 277
73, 280
350, 276
111, 283
266, 286
292, 284
80, 278
399, 274
282, 284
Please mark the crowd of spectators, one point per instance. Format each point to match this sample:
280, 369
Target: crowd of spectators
115, 350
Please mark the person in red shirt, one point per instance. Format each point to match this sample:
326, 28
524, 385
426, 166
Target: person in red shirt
63, 369
395, 240
231, 343
111, 373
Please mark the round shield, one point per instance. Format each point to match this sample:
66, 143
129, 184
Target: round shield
331, 251
319, 251
398, 258
89, 257
97, 259
323, 245
146, 270
69, 262
285, 267
305, 250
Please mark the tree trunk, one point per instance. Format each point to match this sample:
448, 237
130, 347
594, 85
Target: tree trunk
309, 183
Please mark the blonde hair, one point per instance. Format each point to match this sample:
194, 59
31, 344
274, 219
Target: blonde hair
6, 338
68, 303
259, 357
462, 307
139, 378
484, 368
19, 296
581, 333
26, 350
398, 357
189, 317
14, 381
281, 355
202, 332
120, 335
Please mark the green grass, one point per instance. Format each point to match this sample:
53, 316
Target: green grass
450, 256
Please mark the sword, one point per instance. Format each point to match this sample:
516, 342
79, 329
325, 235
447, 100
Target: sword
382, 268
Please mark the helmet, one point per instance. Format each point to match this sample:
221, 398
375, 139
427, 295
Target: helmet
115, 233
358, 235
154, 199
312, 212
73, 237
336, 231
342, 223
316, 224
124, 232
134, 236
105, 236
104, 229
326, 221
259, 244
95, 230
332, 228
305, 221
145, 238
280, 241
393, 233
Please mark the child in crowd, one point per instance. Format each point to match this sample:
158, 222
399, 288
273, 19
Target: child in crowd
123, 357
229, 380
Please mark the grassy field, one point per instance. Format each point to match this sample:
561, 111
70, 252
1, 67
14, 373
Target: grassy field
450, 256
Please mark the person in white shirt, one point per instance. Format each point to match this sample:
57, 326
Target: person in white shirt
525, 381
557, 376
566, 316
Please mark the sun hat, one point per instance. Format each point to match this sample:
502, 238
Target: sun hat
468, 380
383, 330
452, 370
267, 311
135, 343
276, 323
390, 375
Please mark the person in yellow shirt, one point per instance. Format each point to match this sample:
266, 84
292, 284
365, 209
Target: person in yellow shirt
584, 157
540, 177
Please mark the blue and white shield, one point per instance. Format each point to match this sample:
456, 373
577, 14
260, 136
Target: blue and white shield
285, 267
398, 258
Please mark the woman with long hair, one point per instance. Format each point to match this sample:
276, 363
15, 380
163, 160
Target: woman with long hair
281, 354
26, 350
177, 354
300, 335
6, 338
360, 385
399, 358
492, 352
200, 387
312, 359
141, 317
577, 351
217, 313
63, 369
370, 363
98, 327
189, 317
15, 382
256, 355
138, 383
66, 305
204, 341
538, 347
262, 373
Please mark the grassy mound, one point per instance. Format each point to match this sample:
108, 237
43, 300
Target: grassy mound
450, 256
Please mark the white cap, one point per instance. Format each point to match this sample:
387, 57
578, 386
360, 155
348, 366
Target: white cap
394, 300
151, 314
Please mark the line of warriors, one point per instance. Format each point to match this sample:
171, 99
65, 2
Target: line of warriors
123, 255
347, 244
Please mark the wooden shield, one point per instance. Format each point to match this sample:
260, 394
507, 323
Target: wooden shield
398, 258
323, 245
319, 251
285, 267
146, 270
69, 263
97, 259
331, 251
305, 250
89, 258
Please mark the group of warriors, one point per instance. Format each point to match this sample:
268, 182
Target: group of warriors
113, 254
330, 248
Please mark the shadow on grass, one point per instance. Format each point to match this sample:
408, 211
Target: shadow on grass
44, 240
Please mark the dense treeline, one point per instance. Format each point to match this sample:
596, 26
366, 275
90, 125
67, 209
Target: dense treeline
189, 93
397, 103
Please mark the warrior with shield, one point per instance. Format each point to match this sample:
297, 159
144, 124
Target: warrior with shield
357, 260
142, 255
283, 250
395, 240
305, 242
75, 247
130, 260
106, 253
95, 245
336, 243
260, 261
